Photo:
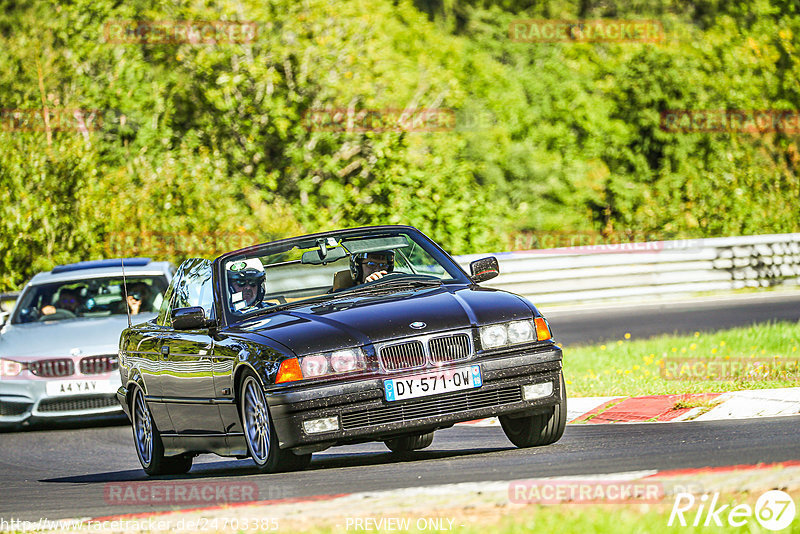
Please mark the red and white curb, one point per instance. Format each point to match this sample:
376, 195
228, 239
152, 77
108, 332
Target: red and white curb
676, 408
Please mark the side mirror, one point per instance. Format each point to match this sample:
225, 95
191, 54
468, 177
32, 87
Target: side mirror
192, 318
484, 269
3, 317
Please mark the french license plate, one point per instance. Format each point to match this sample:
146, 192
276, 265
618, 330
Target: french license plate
78, 387
433, 383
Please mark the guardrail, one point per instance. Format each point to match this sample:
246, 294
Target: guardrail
595, 272
7, 301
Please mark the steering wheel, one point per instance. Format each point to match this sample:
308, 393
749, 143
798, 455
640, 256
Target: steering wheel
59, 314
389, 276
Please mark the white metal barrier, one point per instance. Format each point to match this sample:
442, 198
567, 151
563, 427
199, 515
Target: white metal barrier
660, 267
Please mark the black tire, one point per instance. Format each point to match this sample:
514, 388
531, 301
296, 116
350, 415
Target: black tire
147, 440
259, 432
539, 429
413, 442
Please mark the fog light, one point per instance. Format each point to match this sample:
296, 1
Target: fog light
326, 424
537, 391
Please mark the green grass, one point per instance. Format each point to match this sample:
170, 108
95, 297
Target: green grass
630, 367
574, 518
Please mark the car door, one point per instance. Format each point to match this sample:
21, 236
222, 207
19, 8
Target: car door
186, 372
148, 349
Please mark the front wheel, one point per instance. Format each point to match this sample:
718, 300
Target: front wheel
259, 433
149, 447
539, 429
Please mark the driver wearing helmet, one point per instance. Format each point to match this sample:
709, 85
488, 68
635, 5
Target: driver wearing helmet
246, 282
371, 266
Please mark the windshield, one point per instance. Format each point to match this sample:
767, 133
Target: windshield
306, 270
89, 298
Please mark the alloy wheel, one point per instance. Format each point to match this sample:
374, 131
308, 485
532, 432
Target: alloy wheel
256, 421
143, 428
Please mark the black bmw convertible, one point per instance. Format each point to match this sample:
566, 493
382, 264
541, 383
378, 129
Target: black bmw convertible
284, 349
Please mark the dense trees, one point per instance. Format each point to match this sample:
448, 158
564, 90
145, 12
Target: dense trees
213, 139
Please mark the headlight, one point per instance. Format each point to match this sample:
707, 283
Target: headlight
316, 365
344, 360
511, 333
520, 332
494, 336
331, 363
10, 367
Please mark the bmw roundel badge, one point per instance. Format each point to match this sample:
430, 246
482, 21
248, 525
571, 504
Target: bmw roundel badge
417, 325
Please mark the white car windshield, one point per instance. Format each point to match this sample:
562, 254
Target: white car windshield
89, 298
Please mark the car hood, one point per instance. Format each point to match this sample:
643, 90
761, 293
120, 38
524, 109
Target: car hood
361, 320
91, 337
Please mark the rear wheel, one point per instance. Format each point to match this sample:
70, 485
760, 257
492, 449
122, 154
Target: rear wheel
539, 429
409, 443
149, 447
262, 441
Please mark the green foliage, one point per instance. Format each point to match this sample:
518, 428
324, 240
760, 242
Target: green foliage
211, 140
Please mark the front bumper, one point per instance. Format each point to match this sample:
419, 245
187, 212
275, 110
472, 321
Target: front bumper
364, 414
24, 401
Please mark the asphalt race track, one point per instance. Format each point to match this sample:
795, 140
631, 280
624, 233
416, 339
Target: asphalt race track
65, 472
651, 318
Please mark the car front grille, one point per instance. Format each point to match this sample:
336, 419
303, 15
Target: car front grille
71, 405
13, 408
52, 368
444, 405
407, 355
97, 365
450, 348
418, 352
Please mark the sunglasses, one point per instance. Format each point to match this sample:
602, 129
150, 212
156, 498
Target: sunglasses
245, 284
135, 295
374, 264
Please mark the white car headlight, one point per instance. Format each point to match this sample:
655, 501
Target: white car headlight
10, 367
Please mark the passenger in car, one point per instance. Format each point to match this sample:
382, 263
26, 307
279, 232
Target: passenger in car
364, 267
371, 266
138, 297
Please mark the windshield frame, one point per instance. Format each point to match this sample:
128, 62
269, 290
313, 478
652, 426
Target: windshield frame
459, 276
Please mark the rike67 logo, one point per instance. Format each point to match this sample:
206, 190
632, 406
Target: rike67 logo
774, 510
